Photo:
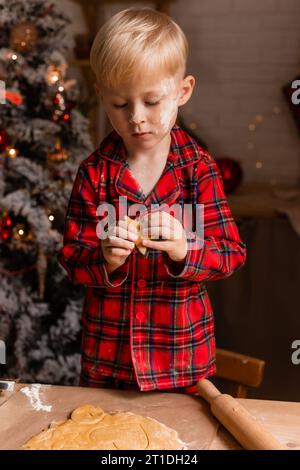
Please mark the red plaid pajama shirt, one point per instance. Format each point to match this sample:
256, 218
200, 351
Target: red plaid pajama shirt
149, 324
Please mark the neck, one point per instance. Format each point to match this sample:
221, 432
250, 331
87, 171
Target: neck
150, 155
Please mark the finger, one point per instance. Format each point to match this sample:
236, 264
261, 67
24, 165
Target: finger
124, 233
166, 231
126, 225
161, 245
118, 251
158, 218
131, 229
149, 219
121, 231
120, 242
114, 229
156, 232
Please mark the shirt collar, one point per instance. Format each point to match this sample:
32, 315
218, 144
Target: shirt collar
183, 149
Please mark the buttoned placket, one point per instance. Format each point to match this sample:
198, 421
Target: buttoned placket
166, 191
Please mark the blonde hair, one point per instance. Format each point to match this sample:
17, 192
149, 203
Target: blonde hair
135, 41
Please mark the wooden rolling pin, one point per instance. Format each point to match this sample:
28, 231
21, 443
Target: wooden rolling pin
237, 420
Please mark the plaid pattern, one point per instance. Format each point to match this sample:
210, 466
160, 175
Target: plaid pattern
150, 322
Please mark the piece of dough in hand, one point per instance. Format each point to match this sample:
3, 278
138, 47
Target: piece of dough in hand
138, 242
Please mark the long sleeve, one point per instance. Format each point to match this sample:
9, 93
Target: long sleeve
81, 255
220, 252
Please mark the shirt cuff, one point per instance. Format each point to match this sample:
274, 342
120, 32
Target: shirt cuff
189, 266
118, 276
174, 268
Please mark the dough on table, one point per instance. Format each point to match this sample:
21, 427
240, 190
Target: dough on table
89, 427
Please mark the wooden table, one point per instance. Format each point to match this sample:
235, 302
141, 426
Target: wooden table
190, 416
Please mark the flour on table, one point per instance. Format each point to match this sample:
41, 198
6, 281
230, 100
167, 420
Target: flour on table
33, 393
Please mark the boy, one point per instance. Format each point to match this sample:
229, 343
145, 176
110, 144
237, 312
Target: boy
147, 319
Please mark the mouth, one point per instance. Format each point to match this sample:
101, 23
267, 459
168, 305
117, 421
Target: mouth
139, 134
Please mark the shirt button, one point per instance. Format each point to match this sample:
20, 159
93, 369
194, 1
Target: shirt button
140, 316
141, 283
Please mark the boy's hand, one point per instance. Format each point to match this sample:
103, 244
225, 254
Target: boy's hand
119, 244
164, 225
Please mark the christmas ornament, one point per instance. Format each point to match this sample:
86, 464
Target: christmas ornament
59, 155
23, 37
231, 172
4, 140
292, 95
62, 107
59, 106
5, 227
14, 97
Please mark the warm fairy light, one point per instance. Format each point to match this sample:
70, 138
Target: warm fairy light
54, 74
12, 153
258, 121
60, 88
54, 77
51, 217
21, 232
14, 57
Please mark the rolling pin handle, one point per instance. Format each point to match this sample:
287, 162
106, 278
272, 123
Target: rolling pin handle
207, 390
237, 420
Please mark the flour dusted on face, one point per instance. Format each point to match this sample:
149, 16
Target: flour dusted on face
33, 393
168, 86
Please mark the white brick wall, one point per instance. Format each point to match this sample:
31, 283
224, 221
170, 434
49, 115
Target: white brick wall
242, 53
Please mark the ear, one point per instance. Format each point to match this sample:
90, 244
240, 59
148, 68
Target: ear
186, 89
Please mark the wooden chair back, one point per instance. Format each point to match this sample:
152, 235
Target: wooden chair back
241, 370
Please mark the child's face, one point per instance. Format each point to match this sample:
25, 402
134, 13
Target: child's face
149, 106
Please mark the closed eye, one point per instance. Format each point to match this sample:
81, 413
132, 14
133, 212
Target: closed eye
125, 104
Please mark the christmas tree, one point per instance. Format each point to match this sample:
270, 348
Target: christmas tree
43, 138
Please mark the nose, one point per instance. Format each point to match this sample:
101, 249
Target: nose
136, 115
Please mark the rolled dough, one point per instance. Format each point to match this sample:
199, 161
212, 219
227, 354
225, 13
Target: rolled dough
89, 427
